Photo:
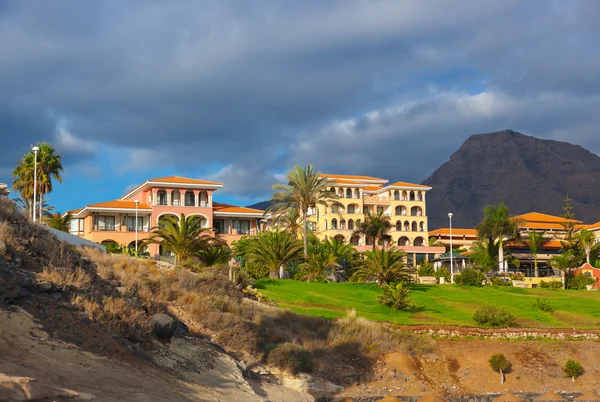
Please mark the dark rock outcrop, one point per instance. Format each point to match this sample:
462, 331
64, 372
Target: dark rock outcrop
163, 326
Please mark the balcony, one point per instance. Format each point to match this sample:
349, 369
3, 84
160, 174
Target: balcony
373, 199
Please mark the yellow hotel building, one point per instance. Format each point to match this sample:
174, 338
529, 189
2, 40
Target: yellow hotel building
404, 203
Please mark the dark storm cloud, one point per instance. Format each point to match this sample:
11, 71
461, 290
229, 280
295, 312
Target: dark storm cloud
381, 87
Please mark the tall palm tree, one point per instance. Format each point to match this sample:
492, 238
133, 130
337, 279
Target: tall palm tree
586, 240
49, 168
184, 237
305, 189
273, 250
484, 254
291, 220
317, 264
59, 221
374, 227
27, 207
497, 225
383, 265
535, 241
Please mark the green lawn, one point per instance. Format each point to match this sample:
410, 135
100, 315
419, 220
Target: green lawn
437, 304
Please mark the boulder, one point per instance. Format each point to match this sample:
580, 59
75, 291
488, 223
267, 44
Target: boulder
336, 276
44, 286
306, 383
163, 326
428, 280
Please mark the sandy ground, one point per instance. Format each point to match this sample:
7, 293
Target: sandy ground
184, 369
461, 367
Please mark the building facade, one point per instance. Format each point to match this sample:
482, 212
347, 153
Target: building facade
404, 203
114, 222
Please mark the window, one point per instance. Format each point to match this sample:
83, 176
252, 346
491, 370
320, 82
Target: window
219, 225
75, 226
190, 200
106, 222
351, 209
349, 193
162, 197
243, 227
130, 221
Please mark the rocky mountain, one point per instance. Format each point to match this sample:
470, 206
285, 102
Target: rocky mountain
526, 173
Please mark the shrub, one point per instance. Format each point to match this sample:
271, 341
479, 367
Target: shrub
257, 271
443, 272
500, 364
543, 305
493, 316
469, 277
579, 281
396, 297
573, 369
292, 358
426, 269
516, 276
550, 284
501, 281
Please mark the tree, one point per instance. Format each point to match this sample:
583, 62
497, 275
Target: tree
305, 190
273, 250
218, 254
586, 241
484, 254
382, 265
573, 369
317, 264
500, 364
564, 262
569, 224
433, 242
396, 297
59, 221
291, 220
184, 237
345, 254
535, 241
49, 168
374, 227
497, 224
26, 205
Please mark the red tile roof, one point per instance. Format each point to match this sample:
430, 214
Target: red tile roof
218, 207
118, 204
406, 184
545, 218
182, 180
347, 176
455, 231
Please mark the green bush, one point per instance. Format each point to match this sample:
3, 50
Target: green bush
426, 269
579, 281
573, 369
493, 316
256, 271
396, 297
443, 272
501, 281
551, 284
543, 305
292, 358
469, 277
516, 276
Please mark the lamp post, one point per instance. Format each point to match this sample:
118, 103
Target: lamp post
136, 226
451, 260
35, 152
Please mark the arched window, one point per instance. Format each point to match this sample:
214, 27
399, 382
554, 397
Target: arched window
340, 238
332, 189
414, 226
412, 196
420, 196
352, 208
398, 210
396, 195
355, 240
422, 226
161, 197
348, 193
190, 199
358, 223
325, 224
341, 193
398, 226
406, 226
403, 241
416, 211
343, 224
175, 198
334, 224
418, 241
350, 224
404, 196
357, 193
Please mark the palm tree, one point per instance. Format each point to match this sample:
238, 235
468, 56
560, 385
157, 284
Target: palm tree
305, 189
59, 221
383, 266
291, 220
484, 254
497, 224
273, 250
184, 237
396, 297
49, 167
344, 252
535, 241
375, 227
215, 255
586, 240
316, 265
26, 206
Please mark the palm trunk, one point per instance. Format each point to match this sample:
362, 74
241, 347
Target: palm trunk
563, 279
587, 255
501, 377
573, 378
535, 266
305, 231
374, 242
41, 205
500, 256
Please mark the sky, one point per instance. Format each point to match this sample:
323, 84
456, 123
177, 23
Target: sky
240, 91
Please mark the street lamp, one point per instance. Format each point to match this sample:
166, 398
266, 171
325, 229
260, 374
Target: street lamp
136, 226
451, 261
35, 152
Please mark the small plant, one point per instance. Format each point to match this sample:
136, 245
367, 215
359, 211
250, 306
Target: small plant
516, 276
396, 297
543, 305
500, 364
501, 281
426, 269
443, 272
579, 281
573, 369
469, 277
550, 284
493, 316
290, 357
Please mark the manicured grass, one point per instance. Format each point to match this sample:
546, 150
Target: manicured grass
437, 304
